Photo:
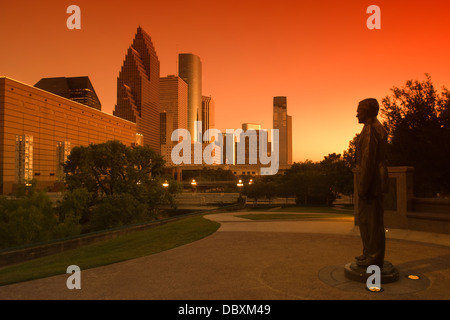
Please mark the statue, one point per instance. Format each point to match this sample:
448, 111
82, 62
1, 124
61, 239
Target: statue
372, 182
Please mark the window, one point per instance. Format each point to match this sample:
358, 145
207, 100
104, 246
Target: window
62, 152
23, 166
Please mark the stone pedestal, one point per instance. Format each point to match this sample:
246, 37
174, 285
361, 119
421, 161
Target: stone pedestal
354, 272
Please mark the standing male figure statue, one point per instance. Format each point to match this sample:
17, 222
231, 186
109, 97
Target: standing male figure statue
372, 182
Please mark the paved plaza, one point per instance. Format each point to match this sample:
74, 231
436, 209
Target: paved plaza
250, 259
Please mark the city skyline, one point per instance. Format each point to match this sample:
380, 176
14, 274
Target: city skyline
321, 56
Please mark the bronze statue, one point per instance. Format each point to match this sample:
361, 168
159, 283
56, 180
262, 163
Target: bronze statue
372, 183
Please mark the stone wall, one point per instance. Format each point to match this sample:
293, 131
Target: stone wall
404, 211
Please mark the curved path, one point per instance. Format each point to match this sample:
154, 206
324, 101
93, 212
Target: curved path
245, 259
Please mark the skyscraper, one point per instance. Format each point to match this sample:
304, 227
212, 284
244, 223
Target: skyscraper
283, 122
78, 89
190, 70
138, 87
207, 116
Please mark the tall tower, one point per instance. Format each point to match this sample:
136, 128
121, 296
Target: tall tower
190, 70
174, 100
283, 122
138, 89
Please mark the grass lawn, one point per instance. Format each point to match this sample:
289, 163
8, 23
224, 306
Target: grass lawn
290, 216
129, 246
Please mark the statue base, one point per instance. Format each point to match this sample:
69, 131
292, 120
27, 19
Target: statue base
354, 272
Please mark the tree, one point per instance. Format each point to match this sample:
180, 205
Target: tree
285, 188
112, 172
269, 187
117, 210
255, 190
417, 119
339, 174
73, 211
111, 167
310, 183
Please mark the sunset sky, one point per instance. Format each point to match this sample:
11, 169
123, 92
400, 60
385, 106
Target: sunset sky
319, 54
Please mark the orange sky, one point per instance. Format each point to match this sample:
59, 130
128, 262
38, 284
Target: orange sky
319, 54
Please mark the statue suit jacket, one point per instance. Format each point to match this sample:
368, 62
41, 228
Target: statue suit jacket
371, 160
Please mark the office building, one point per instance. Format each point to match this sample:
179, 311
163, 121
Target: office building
251, 126
283, 122
78, 89
38, 129
207, 117
174, 100
190, 70
138, 89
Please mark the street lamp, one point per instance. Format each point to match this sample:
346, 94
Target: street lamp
240, 185
193, 184
165, 184
251, 181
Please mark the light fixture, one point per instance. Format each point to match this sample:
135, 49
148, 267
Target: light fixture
375, 289
165, 184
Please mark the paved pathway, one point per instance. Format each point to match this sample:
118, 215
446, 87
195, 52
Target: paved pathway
247, 259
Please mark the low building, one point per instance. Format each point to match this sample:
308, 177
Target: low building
38, 129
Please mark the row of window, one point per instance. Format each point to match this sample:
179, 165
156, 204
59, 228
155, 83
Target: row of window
23, 169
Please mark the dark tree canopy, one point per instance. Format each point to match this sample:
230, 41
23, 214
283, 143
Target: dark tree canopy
111, 167
124, 183
417, 119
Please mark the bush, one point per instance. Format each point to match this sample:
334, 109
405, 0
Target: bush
26, 219
30, 218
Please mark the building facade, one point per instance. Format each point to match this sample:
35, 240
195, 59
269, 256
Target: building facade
138, 89
207, 117
190, 70
78, 89
174, 101
38, 129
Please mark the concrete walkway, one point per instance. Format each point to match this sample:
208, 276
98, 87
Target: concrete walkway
247, 259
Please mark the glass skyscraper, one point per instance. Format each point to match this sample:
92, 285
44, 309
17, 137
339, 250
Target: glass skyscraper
138, 87
190, 70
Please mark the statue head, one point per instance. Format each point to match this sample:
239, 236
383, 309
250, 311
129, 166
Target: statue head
367, 108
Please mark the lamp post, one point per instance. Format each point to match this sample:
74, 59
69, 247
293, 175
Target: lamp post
240, 185
193, 184
165, 184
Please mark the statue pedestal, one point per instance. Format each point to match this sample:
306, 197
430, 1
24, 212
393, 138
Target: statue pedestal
354, 272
